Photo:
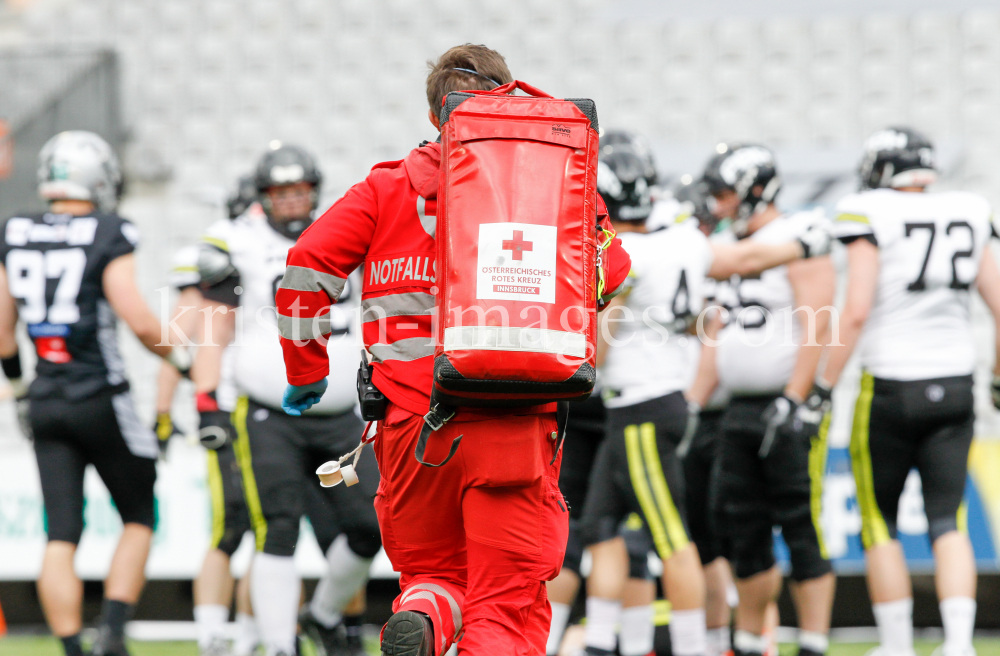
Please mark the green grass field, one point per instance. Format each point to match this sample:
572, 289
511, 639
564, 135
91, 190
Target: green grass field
50, 647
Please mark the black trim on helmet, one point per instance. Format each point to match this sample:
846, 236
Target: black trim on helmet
749, 170
622, 183
892, 152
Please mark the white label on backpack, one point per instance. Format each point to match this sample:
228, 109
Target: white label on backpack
517, 262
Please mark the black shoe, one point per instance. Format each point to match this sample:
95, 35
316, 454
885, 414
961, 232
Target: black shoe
108, 644
408, 634
329, 641
355, 646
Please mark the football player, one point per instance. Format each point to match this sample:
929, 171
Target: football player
642, 347
914, 259
69, 274
699, 451
214, 586
773, 448
240, 265
584, 434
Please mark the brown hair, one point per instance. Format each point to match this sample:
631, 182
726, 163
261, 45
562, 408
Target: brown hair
490, 71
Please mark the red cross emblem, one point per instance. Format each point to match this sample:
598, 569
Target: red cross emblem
517, 245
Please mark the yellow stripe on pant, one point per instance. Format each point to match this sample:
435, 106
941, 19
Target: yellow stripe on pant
873, 528
217, 497
242, 448
661, 491
640, 486
817, 469
653, 492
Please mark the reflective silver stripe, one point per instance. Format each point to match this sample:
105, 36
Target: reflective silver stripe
397, 305
304, 327
412, 348
303, 279
502, 338
456, 612
428, 223
426, 596
427, 591
139, 439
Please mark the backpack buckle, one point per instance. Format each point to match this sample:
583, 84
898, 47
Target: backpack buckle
438, 416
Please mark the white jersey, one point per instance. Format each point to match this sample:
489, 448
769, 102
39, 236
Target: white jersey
259, 252
714, 294
930, 246
650, 356
184, 268
184, 274
760, 342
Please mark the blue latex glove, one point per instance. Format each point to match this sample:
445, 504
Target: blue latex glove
299, 398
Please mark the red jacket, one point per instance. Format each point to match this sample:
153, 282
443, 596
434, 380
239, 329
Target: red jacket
387, 223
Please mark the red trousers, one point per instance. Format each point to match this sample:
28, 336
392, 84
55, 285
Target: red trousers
474, 540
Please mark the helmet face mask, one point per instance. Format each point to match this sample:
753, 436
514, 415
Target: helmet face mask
750, 172
897, 157
79, 165
282, 174
695, 201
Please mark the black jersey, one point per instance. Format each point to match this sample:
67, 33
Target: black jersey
55, 265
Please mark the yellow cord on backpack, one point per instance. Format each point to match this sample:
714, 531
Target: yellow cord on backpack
610, 235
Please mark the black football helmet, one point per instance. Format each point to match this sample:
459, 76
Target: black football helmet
750, 171
692, 196
242, 197
897, 157
612, 138
622, 183
286, 165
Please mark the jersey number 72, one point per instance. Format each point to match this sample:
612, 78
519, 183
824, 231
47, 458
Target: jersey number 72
920, 284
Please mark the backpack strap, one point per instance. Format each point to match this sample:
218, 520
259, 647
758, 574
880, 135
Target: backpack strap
434, 420
562, 419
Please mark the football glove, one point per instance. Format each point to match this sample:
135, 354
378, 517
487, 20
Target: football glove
693, 419
815, 241
299, 398
786, 418
214, 425
165, 428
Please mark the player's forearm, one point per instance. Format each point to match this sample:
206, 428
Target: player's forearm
804, 373
219, 328
8, 343
706, 379
840, 349
8, 318
988, 286
206, 372
750, 257
816, 336
150, 332
165, 387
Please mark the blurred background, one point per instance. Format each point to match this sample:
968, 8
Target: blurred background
190, 92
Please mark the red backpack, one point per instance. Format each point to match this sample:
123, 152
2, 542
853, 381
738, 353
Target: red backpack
517, 249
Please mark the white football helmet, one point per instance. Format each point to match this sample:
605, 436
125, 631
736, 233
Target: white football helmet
79, 165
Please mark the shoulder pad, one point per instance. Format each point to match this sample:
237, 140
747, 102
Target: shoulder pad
184, 268
214, 264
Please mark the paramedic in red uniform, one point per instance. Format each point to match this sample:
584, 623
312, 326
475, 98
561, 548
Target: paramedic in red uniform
474, 540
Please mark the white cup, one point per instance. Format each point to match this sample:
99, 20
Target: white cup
331, 473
